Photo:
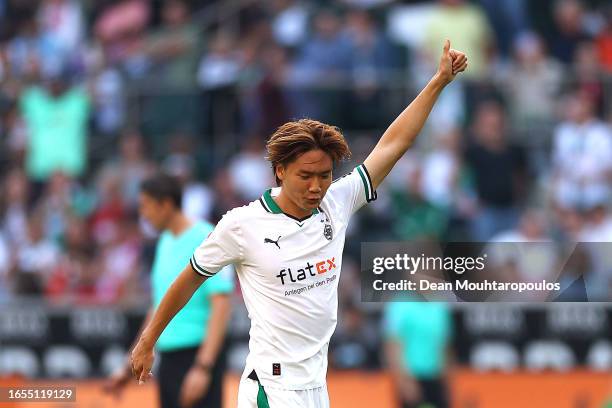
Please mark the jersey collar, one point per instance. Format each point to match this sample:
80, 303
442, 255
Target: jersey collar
270, 206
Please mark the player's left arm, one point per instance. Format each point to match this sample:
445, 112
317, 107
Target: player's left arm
400, 135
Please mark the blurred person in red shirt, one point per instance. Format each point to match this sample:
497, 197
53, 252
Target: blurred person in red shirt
604, 42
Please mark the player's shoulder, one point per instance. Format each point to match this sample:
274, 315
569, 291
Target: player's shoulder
244, 212
355, 179
343, 179
360, 172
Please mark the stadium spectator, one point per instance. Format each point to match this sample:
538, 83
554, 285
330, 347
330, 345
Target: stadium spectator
118, 262
325, 56
415, 217
446, 183
268, 106
218, 74
110, 208
532, 84
604, 42
508, 19
5, 269
597, 235
56, 118
61, 198
198, 198
581, 155
499, 170
371, 62
30, 54
442, 182
290, 22
3, 62
120, 29
15, 208
249, 172
108, 95
322, 60
226, 196
131, 167
172, 49
468, 26
171, 53
35, 260
569, 30
587, 75
61, 24
525, 254
16, 135
73, 278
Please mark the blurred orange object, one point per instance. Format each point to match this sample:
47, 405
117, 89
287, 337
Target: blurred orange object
359, 389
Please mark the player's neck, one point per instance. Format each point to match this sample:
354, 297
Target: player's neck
289, 207
178, 223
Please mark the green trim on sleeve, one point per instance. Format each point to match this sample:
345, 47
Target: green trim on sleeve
370, 193
199, 269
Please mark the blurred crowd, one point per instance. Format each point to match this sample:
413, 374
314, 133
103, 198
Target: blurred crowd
97, 95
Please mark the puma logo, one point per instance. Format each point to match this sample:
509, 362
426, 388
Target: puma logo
271, 241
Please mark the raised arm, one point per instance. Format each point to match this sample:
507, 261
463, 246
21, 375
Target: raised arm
173, 301
400, 135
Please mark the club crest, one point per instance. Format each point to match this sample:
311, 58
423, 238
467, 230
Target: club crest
327, 232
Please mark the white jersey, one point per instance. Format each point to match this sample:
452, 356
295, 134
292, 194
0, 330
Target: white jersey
288, 271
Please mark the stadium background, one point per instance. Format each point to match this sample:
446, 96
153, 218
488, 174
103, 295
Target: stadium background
148, 85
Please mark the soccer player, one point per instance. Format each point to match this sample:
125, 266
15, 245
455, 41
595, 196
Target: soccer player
287, 249
191, 369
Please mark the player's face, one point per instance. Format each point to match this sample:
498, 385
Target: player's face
155, 212
306, 179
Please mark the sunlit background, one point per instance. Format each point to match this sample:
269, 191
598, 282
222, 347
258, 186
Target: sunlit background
97, 95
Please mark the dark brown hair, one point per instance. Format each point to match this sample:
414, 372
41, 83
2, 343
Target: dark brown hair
163, 187
295, 138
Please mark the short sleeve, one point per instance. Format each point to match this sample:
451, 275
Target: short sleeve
221, 283
222, 247
353, 190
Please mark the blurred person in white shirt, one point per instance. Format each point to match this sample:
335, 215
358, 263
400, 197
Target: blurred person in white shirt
581, 156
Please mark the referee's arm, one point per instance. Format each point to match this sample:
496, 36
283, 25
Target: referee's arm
173, 301
198, 379
221, 309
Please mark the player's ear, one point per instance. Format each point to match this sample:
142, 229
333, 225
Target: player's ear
167, 204
280, 172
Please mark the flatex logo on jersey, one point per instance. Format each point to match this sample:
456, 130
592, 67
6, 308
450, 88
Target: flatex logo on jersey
318, 268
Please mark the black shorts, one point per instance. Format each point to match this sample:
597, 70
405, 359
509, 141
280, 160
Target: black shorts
173, 368
434, 393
